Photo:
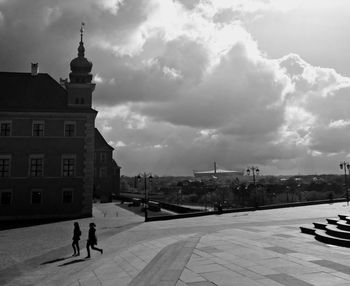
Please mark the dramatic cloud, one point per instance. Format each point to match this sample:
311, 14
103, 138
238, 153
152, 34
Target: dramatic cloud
183, 83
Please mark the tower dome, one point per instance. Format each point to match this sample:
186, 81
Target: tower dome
80, 66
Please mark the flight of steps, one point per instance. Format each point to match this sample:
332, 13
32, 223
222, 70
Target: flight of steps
336, 231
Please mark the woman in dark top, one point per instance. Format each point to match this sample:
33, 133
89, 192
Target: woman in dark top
76, 238
92, 240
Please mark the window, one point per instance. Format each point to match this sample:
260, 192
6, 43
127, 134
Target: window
38, 128
5, 165
103, 172
5, 128
68, 166
67, 196
37, 197
36, 165
69, 129
103, 157
5, 197
79, 100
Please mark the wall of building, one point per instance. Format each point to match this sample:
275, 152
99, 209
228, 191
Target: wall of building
51, 205
89, 149
104, 180
52, 146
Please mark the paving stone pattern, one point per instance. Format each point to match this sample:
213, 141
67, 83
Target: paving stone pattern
167, 266
247, 249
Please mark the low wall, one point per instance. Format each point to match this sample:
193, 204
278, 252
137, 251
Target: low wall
266, 207
177, 208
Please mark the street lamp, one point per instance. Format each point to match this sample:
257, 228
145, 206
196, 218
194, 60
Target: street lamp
255, 172
179, 193
345, 165
144, 176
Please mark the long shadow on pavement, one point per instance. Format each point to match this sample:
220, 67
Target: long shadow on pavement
16, 270
55, 260
72, 262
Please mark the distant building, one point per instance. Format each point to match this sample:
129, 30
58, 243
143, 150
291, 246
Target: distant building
218, 173
107, 171
47, 143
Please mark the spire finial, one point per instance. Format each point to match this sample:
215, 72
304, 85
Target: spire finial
81, 31
81, 49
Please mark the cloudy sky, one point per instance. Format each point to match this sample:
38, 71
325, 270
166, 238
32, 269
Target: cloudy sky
183, 83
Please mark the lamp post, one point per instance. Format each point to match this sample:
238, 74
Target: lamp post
345, 165
287, 190
255, 172
179, 192
144, 176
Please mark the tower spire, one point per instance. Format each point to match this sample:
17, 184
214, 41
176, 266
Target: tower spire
82, 31
81, 49
80, 66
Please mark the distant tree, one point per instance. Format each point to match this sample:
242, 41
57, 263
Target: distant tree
124, 186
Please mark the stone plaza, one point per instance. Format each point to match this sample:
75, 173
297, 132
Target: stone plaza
249, 248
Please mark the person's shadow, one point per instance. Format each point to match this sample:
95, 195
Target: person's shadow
72, 262
62, 259
55, 260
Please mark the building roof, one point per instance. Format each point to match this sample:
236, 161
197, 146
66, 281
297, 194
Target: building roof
100, 142
115, 165
217, 171
26, 92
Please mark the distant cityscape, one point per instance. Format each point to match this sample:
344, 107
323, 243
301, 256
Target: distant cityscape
54, 162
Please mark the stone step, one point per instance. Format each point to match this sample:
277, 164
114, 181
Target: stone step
320, 225
336, 232
332, 220
307, 229
322, 236
343, 225
343, 216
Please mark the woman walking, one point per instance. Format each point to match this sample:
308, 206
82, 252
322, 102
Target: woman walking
76, 238
92, 240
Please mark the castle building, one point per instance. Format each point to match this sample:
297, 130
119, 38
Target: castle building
107, 171
47, 143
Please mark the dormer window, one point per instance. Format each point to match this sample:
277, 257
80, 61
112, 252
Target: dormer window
80, 100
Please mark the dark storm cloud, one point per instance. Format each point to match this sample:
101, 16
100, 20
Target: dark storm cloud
48, 31
183, 83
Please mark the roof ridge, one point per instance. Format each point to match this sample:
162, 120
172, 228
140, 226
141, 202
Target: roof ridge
23, 73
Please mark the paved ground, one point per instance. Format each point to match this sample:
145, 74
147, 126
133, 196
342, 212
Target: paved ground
251, 248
